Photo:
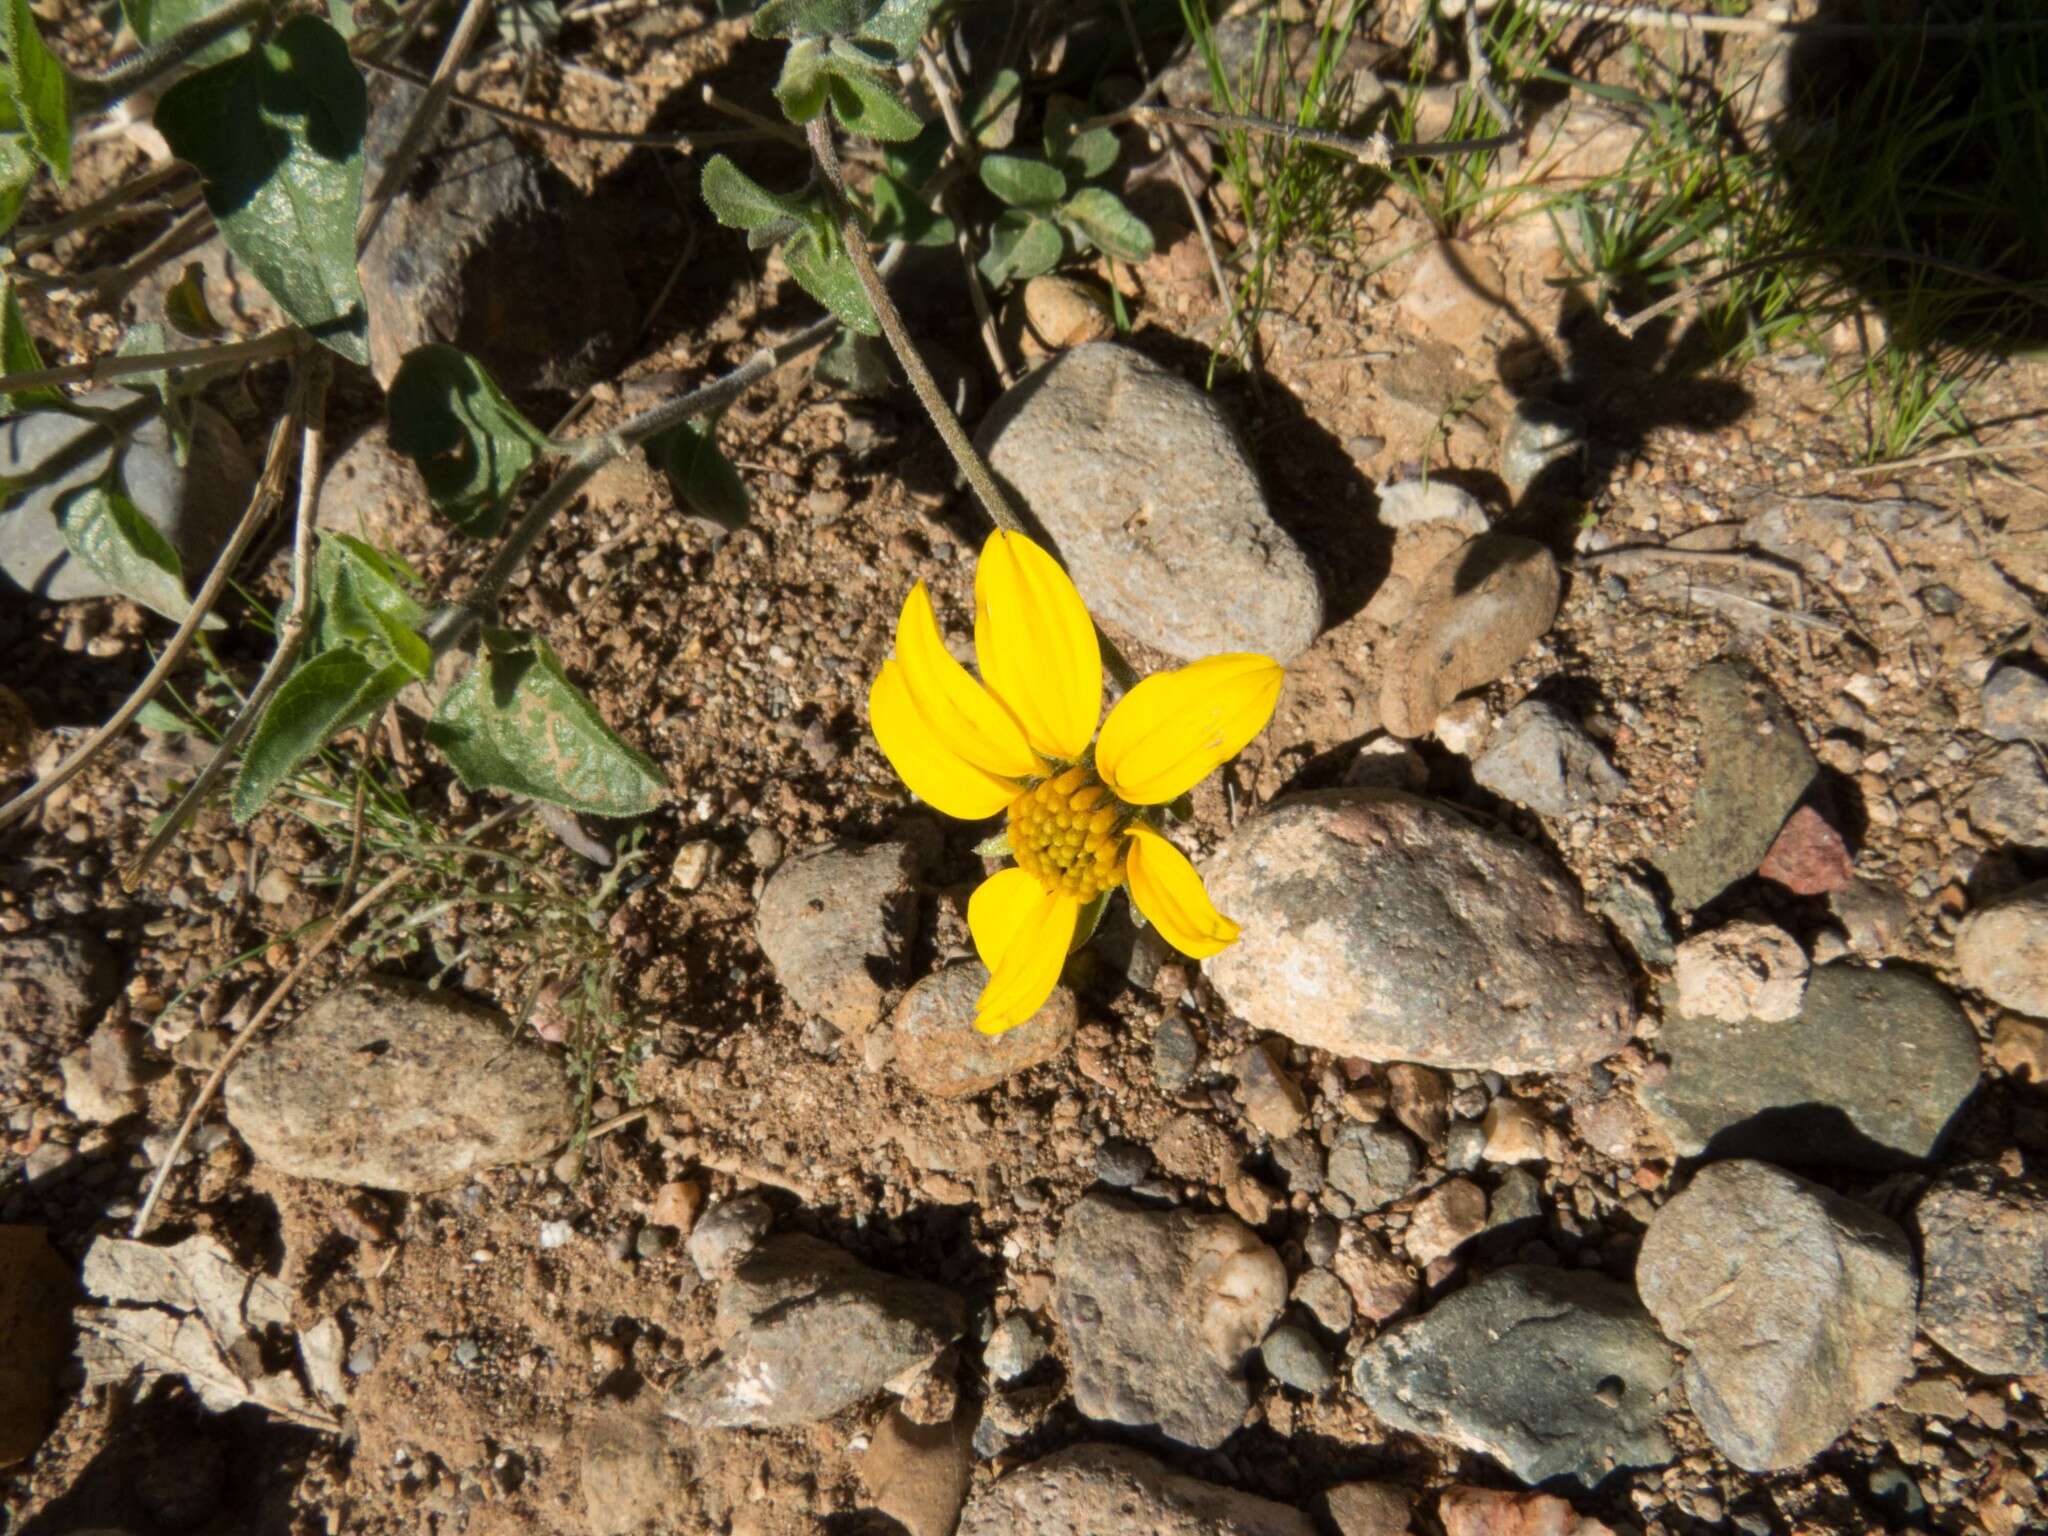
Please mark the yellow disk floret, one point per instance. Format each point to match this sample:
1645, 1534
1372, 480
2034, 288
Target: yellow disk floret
1065, 833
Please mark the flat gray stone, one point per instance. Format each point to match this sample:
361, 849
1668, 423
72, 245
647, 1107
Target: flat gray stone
1387, 927
388, 1085
805, 1330
1540, 757
1782, 1091
1159, 1310
1554, 1373
1372, 1165
1757, 768
195, 506
1143, 484
1984, 1241
834, 922
1094, 1490
1796, 1307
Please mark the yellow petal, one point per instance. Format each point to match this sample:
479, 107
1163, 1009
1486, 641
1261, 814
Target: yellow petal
966, 717
938, 776
1022, 932
1036, 645
1172, 897
1175, 728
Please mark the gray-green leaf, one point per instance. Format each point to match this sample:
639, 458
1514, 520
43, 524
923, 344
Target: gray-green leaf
471, 444
108, 532
364, 604
992, 111
155, 20
1023, 181
701, 478
517, 723
278, 135
1084, 156
899, 25
1097, 213
803, 82
1021, 245
17, 171
826, 273
738, 201
900, 214
867, 106
322, 698
37, 88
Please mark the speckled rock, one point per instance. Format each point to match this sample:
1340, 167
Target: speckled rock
1372, 1165
1796, 1307
1496, 1512
941, 1052
1542, 758
1089, 1489
2015, 703
1159, 1310
2002, 950
834, 922
1778, 1090
1984, 1241
53, 985
386, 1084
1554, 1373
1382, 926
1143, 484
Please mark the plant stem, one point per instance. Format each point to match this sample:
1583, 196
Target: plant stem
143, 69
289, 639
426, 117
280, 343
115, 204
269, 491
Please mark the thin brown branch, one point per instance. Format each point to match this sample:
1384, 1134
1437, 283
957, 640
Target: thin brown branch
1775, 22
124, 201
214, 355
426, 117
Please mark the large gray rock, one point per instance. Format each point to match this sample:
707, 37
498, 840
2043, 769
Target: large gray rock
805, 1330
195, 506
1396, 929
491, 249
1159, 1310
834, 922
2002, 950
1782, 1092
1796, 1306
386, 1084
1542, 758
1157, 512
1093, 1490
1984, 1242
1553, 1373
1757, 768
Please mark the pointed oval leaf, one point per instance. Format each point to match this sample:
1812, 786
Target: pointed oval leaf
1023, 181
108, 532
37, 87
322, 698
471, 444
827, 275
701, 478
1083, 156
738, 201
868, 107
277, 133
992, 111
802, 85
899, 25
364, 604
1022, 245
17, 171
517, 723
155, 20
1111, 227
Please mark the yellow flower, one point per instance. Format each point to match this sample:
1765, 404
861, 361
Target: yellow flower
1082, 808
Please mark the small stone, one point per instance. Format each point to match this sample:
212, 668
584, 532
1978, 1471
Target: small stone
1387, 763
1518, 1200
1463, 727
2011, 802
89, 1099
1323, 1296
1089, 1489
1488, 1512
1273, 1100
36, 1294
1014, 1350
1381, 1285
1540, 757
1372, 1165
2015, 704
1369, 1509
1052, 313
555, 1234
1464, 1147
52, 984
2020, 1049
940, 1052
1984, 1239
1628, 902
675, 1205
1175, 1054
1159, 1310
727, 1233
1873, 917
1741, 971
1421, 1100
202, 1050
1539, 435
1514, 1133
695, 862
1796, 1306
1120, 1164
1808, 857
276, 887
764, 848
1453, 292
625, 1470
1447, 1218
834, 921
1474, 617
2002, 950
918, 1474
1295, 1359
1417, 503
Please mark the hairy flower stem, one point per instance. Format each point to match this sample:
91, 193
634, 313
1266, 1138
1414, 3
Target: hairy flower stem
972, 465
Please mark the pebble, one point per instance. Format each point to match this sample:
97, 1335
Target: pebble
1386, 763
1541, 758
1451, 294
2015, 704
387, 1084
1294, 1359
1158, 1310
1795, 1304
2020, 1049
1331, 888
1491, 1512
626, 1471
764, 848
2011, 802
1323, 1296
1514, 1132
807, 1331
1175, 1054
1369, 1509
1778, 1091
89, 1097
555, 1234
834, 922
1446, 1219
1014, 1350
1273, 1100
1474, 617
1464, 1147
675, 1205
1157, 512
1052, 313
1984, 1241
1628, 902
2002, 950
695, 862
1106, 1488
727, 1233
1808, 857
916, 1474
1553, 1373
1421, 1100
1539, 435
1741, 971
54, 983
1121, 1164
1372, 1165
940, 1052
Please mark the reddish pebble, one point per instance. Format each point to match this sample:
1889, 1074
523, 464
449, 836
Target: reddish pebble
1486, 1512
1809, 858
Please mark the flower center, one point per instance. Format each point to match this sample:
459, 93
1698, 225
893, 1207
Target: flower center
1065, 833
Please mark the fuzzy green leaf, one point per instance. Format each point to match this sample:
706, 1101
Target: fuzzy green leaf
18, 354
517, 723
701, 478
364, 604
108, 532
471, 444
1111, 227
899, 25
278, 135
322, 698
804, 81
17, 171
868, 107
1023, 181
857, 364
992, 111
37, 87
738, 201
155, 20
1083, 156
185, 307
900, 214
827, 275
811, 18
1021, 245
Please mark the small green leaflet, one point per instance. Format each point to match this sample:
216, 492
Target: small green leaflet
1023, 181
364, 604
701, 478
186, 309
899, 25
811, 18
160, 720
517, 723
1083, 156
855, 363
737, 201
810, 245
992, 111
17, 170
802, 85
470, 442
1111, 227
900, 214
827, 275
108, 532
18, 354
868, 107
155, 20
278, 134
321, 699
38, 88
1021, 245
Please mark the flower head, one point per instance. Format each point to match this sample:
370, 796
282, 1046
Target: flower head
1083, 809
